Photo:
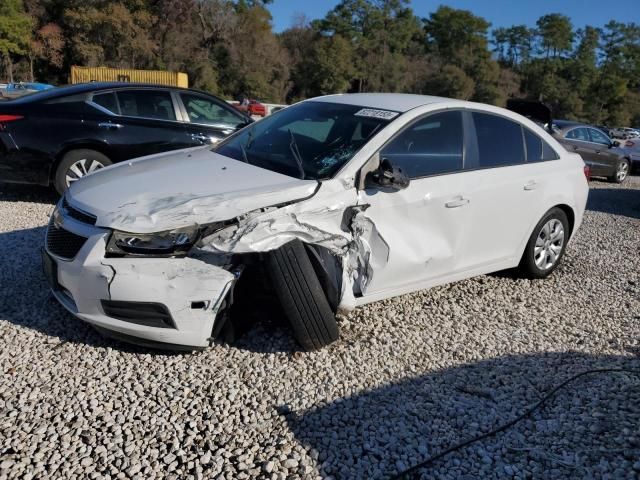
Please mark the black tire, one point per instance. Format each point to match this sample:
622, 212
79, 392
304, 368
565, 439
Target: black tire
303, 300
72, 157
528, 267
615, 178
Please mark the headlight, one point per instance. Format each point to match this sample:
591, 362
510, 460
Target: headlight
170, 242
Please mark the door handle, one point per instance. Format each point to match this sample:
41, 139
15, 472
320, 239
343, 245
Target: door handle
575, 147
457, 202
200, 137
532, 185
110, 126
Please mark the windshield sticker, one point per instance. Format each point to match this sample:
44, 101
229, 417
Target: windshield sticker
373, 113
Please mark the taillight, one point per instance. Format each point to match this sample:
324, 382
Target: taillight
4, 119
629, 143
9, 118
587, 172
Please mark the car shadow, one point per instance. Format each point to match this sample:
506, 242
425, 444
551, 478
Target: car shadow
617, 201
380, 432
10, 192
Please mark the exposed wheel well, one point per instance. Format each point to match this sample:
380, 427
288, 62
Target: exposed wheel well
571, 216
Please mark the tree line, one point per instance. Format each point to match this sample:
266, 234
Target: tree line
228, 47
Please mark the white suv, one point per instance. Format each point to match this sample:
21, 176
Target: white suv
624, 133
335, 201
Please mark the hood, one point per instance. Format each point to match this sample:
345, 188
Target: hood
181, 188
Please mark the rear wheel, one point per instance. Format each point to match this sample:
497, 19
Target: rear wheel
77, 164
546, 245
302, 297
622, 172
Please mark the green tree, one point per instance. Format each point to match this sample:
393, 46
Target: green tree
459, 38
331, 66
556, 34
382, 34
115, 34
15, 33
450, 81
457, 35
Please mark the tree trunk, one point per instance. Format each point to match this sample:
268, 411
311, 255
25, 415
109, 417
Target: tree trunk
9, 68
32, 79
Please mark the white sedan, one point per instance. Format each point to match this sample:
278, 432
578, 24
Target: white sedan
328, 204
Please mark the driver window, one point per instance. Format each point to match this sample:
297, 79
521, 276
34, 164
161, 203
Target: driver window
205, 111
431, 146
599, 137
579, 134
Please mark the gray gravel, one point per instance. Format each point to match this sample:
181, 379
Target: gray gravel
409, 377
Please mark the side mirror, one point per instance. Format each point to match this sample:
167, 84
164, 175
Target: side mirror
615, 143
388, 177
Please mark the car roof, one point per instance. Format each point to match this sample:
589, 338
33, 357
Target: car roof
398, 102
566, 124
89, 87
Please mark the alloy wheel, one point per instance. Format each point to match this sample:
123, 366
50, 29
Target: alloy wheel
80, 169
622, 172
549, 244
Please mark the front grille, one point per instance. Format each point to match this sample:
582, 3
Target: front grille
62, 242
141, 313
77, 214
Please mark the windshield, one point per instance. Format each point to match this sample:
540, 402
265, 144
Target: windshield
310, 140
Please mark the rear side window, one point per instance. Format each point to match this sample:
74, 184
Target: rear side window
431, 146
69, 104
537, 149
147, 104
107, 100
499, 141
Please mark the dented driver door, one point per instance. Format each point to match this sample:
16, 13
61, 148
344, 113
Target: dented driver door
424, 225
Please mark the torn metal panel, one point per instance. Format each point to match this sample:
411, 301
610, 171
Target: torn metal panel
317, 221
369, 251
321, 221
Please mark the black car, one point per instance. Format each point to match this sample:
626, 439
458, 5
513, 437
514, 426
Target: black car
603, 155
59, 135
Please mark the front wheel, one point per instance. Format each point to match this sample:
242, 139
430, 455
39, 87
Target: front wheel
303, 300
77, 164
546, 245
621, 173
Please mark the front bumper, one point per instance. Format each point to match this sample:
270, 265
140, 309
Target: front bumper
191, 289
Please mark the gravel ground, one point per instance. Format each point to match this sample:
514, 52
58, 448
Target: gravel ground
409, 377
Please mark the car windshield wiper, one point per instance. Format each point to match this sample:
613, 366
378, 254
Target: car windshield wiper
249, 138
296, 153
244, 154
244, 148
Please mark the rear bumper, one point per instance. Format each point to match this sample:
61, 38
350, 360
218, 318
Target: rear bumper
22, 165
192, 290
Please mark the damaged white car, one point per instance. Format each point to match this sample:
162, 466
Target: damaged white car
331, 203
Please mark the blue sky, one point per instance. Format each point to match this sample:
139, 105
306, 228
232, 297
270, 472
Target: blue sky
498, 12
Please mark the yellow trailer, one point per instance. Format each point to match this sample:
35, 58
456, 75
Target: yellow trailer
106, 74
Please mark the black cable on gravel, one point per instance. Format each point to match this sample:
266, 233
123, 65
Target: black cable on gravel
411, 471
